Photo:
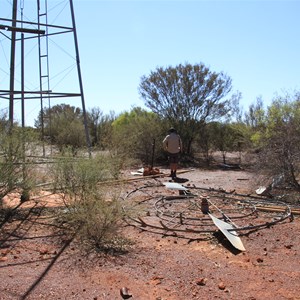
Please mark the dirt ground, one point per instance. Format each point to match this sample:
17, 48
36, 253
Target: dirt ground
38, 262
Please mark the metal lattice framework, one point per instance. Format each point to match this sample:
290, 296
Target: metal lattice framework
27, 31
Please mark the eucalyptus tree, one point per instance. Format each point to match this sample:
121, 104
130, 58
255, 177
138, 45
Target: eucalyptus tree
280, 143
225, 137
136, 133
100, 127
63, 126
187, 96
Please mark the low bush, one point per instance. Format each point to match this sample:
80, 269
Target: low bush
92, 208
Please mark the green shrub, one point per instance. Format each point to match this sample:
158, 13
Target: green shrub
99, 222
15, 170
93, 209
79, 177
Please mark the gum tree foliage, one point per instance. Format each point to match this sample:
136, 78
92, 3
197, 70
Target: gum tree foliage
187, 96
280, 142
134, 133
236, 112
225, 137
100, 127
94, 118
255, 120
63, 126
255, 117
228, 134
3, 122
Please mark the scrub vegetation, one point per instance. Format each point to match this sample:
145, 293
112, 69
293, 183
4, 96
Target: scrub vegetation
191, 98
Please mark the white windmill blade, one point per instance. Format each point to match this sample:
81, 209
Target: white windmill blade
231, 235
174, 186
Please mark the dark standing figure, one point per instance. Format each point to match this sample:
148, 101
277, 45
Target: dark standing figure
173, 145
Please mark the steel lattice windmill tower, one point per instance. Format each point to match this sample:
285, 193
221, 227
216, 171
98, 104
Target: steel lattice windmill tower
39, 62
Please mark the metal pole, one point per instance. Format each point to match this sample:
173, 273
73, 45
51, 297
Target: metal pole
22, 81
12, 64
80, 78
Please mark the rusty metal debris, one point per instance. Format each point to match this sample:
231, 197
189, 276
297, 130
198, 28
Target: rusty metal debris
169, 213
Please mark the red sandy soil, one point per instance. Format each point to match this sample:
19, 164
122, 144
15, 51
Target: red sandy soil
38, 262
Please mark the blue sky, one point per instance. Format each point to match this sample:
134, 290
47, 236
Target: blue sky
256, 43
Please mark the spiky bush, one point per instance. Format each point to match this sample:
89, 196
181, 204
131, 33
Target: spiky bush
16, 145
92, 208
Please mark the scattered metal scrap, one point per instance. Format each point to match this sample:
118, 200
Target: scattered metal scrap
176, 211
